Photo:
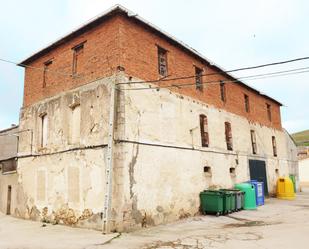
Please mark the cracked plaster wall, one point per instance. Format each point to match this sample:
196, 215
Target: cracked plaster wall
162, 184
72, 190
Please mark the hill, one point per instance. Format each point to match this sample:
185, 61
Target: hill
301, 138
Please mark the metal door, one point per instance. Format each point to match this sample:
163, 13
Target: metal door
258, 172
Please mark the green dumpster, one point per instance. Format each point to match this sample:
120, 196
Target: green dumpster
227, 201
239, 198
212, 202
248, 188
232, 197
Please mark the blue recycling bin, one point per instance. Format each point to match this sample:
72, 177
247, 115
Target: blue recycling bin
259, 192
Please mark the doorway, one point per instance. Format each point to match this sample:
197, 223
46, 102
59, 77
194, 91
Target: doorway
258, 172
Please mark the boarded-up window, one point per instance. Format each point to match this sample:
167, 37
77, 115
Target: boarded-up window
247, 104
204, 130
253, 142
268, 107
228, 136
75, 125
162, 61
274, 143
78, 52
41, 185
199, 78
222, 91
44, 130
47, 73
73, 184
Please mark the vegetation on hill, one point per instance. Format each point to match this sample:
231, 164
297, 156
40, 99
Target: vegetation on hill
301, 138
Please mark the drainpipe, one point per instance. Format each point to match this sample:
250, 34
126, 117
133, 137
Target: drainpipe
109, 160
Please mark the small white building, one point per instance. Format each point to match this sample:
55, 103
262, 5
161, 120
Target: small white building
303, 165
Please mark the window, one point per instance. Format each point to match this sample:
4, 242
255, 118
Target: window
253, 142
274, 143
247, 104
44, 130
228, 136
78, 52
162, 61
233, 171
204, 130
207, 170
199, 78
75, 125
268, 107
46, 73
222, 91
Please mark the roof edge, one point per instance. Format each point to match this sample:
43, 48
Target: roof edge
8, 129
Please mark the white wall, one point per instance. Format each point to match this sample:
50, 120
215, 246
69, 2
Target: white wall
304, 172
164, 160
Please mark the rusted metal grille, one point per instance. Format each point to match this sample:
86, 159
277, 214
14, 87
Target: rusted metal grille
162, 61
8, 166
199, 78
247, 104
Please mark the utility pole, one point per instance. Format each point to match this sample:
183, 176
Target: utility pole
109, 160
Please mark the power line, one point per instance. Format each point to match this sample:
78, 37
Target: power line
37, 68
250, 77
228, 71
163, 79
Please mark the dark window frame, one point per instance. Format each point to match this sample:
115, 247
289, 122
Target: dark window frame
204, 130
77, 51
269, 114
274, 145
228, 136
45, 72
247, 103
162, 61
199, 78
222, 91
253, 141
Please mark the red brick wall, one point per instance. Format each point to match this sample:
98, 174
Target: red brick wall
100, 58
140, 60
120, 41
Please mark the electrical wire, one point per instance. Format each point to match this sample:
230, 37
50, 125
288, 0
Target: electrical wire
250, 77
221, 72
38, 68
164, 78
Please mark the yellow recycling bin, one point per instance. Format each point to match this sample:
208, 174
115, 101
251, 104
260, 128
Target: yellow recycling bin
285, 189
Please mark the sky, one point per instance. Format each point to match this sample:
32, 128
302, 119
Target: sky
232, 34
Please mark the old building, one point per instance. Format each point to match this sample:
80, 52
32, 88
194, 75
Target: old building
8, 163
116, 143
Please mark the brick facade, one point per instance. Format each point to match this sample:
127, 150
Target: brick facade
123, 41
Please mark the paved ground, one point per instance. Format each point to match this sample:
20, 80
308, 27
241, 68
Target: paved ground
278, 224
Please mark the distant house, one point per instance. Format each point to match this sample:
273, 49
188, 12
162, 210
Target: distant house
8, 163
303, 164
117, 144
